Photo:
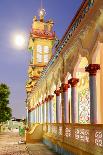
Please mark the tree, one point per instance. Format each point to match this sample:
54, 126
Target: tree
5, 111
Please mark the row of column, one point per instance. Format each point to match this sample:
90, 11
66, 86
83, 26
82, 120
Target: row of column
43, 112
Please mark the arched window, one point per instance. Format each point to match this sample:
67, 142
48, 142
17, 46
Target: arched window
46, 52
46, 58
46, 49
39, 49
39, 53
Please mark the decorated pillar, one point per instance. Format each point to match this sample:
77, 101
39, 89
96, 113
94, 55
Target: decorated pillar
50, 114
43, 116
74, 102
37, 113
29, 116
92, 69
34, 115
45, 110
64, 88
40, 112
58, 106
48, 109
66, 103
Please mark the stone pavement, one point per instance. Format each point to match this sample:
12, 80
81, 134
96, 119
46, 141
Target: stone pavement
9, 146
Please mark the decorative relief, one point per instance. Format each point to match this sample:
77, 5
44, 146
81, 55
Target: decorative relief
49, 128
60, 131
54, 109
82, 135
99, 138
54, 129
84, 106
67, 132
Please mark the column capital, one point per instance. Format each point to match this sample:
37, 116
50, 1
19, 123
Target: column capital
50, 97
73, 82
37, 105
64, 87
43, 101
46, 99
92, 69
57, 92
31, 109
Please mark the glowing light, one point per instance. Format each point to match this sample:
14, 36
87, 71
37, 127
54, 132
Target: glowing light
19, 40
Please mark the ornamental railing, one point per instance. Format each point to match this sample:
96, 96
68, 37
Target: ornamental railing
83, 136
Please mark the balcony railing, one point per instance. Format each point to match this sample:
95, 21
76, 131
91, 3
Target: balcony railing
86, 137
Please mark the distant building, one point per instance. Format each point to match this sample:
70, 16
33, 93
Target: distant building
12, 125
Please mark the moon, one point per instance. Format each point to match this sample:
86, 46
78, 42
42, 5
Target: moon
19, 41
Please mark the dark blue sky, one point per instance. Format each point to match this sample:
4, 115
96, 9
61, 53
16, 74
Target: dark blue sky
16, 17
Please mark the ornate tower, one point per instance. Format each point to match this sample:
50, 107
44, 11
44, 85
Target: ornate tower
41, 42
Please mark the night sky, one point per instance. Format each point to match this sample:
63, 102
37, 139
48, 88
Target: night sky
16, 17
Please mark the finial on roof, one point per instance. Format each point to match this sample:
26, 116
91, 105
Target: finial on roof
42, 13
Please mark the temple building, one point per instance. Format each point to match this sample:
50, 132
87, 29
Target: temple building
65, 83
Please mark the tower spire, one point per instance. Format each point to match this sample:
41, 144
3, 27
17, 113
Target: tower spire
42, 12
41, 4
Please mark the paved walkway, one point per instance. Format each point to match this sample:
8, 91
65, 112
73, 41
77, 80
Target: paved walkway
9, 146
